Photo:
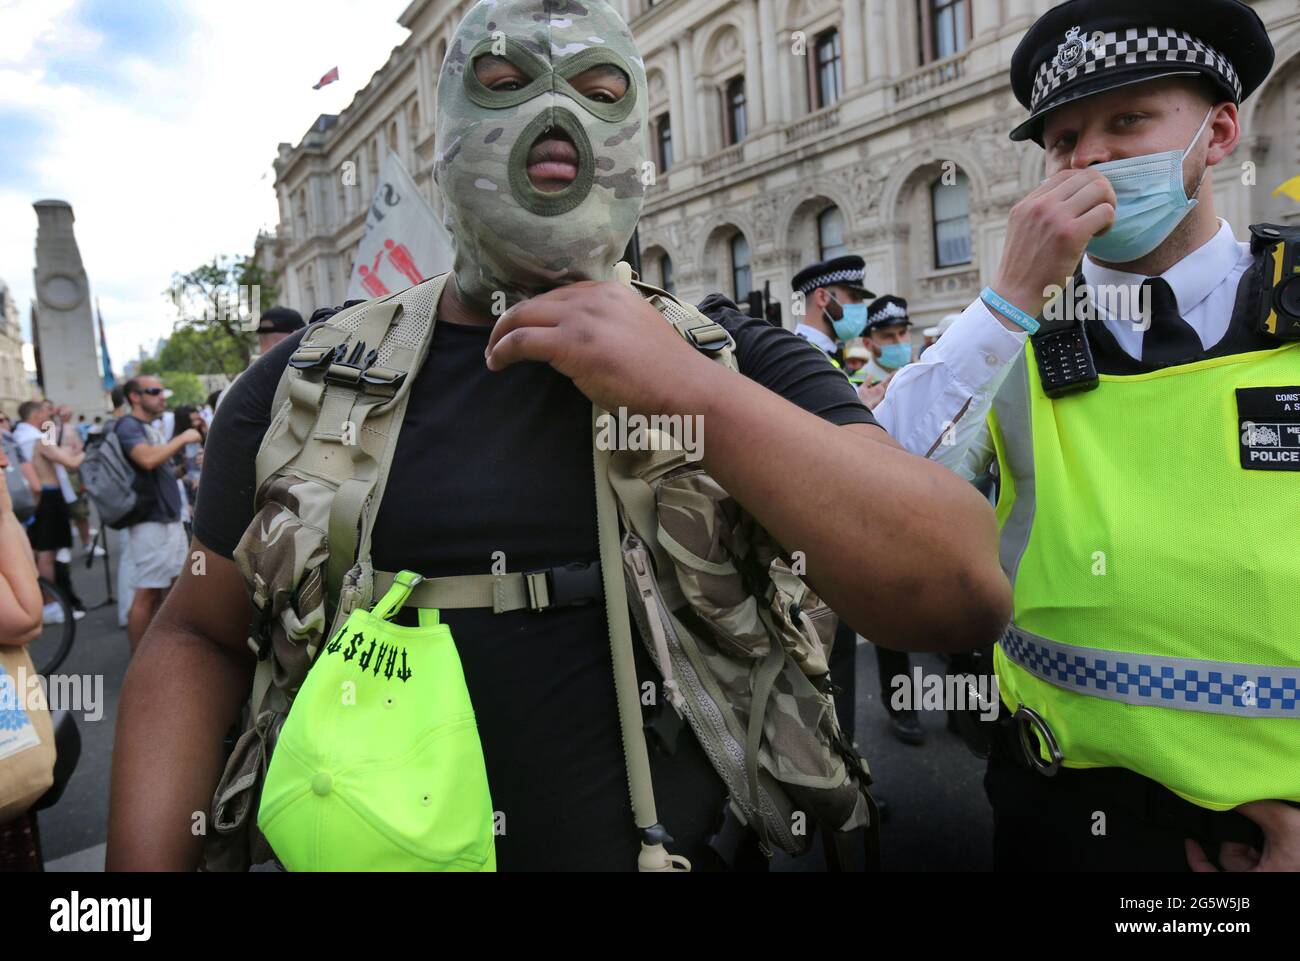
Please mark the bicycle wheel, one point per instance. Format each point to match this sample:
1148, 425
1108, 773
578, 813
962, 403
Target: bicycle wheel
59, 629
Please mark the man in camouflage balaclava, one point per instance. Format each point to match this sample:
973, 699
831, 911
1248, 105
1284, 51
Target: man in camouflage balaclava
510, 236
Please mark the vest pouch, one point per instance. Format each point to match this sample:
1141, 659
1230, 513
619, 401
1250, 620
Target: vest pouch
282, 556
710, 540
741, 597
379, 766
701, 532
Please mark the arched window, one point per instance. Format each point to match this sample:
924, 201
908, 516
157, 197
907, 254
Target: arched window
737, 124
945, 28
950, 203
666, 274
826, 63
740, 273
830, 234
664, 136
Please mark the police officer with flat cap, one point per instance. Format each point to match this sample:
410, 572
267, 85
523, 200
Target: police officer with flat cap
1148, 441
889, 336
835, 310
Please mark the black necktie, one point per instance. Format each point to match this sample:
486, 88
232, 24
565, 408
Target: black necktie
1169, 340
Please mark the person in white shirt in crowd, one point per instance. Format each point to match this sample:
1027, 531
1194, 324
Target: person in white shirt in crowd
50, 531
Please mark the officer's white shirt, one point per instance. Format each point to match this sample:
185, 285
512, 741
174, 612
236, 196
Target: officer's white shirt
816, 338
950, 389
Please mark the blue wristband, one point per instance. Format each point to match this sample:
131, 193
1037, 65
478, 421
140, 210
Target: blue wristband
1009, 310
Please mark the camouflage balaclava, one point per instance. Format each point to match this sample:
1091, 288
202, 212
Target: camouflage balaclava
510, 236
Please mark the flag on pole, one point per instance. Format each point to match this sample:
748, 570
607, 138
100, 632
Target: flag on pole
1291, 188
327, 79
109, 380
404, 242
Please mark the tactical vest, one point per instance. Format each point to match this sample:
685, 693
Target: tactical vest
741, 642
1152, 545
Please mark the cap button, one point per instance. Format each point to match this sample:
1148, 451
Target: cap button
322, 783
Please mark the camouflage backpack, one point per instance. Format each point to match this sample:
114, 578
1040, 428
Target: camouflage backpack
741, 642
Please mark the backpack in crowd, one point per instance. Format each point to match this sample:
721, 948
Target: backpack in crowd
109, 476
741, 643
21, 494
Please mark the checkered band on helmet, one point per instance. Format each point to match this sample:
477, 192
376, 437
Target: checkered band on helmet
834, 277
1084, 56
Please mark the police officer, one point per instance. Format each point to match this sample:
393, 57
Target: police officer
889, 337
1154, 654
835, 309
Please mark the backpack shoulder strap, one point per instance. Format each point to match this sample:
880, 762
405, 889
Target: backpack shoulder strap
704, 334
339, 409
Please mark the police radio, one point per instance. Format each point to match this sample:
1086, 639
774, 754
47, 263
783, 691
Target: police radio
1064, 356
1277, 263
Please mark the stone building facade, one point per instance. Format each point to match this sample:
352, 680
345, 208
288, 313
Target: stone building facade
783, 131
14, 388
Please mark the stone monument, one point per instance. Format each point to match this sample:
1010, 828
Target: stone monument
69, 359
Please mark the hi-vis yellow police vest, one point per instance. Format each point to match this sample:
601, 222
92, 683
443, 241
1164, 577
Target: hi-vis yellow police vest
1151, 531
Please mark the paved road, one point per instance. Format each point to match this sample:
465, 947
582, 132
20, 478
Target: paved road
939, 819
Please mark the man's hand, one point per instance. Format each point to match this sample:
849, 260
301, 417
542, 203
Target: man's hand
609, 341
191, 436
872, 394
1047, 233
1281, 824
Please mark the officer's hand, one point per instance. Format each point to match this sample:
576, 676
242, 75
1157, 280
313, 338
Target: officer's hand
1047, 233
614, 346
1281, 825
872, 394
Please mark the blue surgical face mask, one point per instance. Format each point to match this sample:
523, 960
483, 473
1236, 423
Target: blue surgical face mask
894, 356
852, 322
1152, 202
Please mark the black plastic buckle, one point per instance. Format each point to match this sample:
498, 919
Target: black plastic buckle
572, 585
709, 338
315, 357
349, 371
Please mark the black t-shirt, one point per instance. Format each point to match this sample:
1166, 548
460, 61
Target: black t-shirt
157, 498
503, 462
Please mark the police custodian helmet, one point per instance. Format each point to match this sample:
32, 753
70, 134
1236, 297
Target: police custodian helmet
1085, 47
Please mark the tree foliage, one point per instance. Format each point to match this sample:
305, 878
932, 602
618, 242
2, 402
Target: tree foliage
218, 307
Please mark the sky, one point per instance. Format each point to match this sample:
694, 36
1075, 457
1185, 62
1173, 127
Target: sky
158, 120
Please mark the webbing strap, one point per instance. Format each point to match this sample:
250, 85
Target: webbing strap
349, 502
764, 681
409, 360
1149, 680
502, 593
626, 689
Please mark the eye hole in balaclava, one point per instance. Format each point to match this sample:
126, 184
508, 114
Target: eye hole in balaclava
554, 71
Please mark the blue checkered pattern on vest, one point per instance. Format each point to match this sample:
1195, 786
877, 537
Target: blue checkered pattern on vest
1206, 686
